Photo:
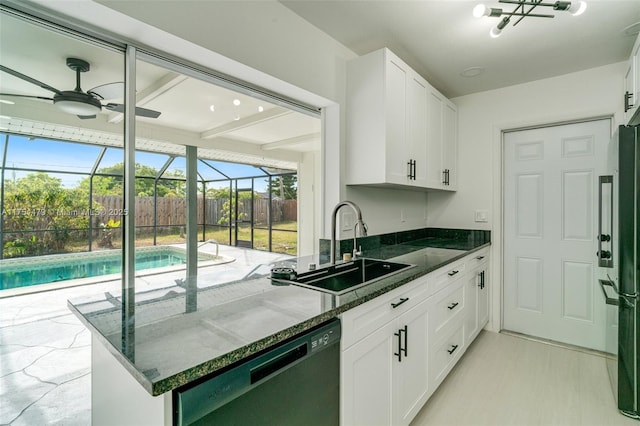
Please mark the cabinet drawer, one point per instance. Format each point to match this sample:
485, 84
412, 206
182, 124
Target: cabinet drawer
448, 309
448, 276
444, 356
478, 258
364, 319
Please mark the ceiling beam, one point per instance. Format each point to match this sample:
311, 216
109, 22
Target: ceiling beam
250, 120
297, 140
158, 88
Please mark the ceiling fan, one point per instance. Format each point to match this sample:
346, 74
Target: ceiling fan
83, 104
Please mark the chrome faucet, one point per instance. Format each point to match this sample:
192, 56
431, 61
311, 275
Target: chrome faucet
359, 224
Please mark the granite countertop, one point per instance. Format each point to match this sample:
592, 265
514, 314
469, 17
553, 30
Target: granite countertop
181, 337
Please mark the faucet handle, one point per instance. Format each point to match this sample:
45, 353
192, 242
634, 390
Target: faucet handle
357, 253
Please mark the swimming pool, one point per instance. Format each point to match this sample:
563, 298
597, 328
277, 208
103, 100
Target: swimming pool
32, 271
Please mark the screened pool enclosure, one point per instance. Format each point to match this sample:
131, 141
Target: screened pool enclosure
148, 150
66, 196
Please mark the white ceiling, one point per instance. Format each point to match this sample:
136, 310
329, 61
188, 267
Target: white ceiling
441, 38
193, 111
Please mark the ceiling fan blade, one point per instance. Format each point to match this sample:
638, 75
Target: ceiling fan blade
29, 79
108, 91
26, 96
142, 112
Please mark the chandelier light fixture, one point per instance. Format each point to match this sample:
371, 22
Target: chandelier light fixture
523, 9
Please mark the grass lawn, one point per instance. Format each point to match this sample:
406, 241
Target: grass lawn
284, 239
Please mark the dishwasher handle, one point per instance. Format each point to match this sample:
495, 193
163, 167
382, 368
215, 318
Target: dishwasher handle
278, 363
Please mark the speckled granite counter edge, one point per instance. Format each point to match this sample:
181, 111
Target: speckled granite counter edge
209, 367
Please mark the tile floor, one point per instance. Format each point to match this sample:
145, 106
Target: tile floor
510, 380
45, 351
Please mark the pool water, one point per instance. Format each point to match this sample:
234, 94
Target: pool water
37, 271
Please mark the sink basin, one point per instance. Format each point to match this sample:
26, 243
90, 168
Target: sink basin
344, 277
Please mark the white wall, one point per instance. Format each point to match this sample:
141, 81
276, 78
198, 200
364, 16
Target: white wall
388, 210
483, 116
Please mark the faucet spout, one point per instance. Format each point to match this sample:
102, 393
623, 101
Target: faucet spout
359, 224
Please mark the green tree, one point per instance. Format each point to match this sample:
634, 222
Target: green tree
38, 202
110, 181
284, 186
229, 206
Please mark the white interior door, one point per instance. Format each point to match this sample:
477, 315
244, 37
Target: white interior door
550, 229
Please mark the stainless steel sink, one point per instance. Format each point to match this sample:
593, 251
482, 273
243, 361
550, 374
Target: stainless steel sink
344, 277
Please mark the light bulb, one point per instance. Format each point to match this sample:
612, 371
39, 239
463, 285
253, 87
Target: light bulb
212, 108
480, 10
577, 8
495, 32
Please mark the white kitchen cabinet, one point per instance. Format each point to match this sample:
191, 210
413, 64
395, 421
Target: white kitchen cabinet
385, 376
410, 373
398, 347
391, 126
384, 363
442, 142
366, 381
632, 84
477, 292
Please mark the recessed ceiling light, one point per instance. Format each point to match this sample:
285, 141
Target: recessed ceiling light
472, 72
236, 102
236, 118
212, 108
4, 101
260, 108
632, 30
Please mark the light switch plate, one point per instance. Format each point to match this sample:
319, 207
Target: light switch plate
482, 216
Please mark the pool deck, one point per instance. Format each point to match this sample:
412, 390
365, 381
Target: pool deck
45, 373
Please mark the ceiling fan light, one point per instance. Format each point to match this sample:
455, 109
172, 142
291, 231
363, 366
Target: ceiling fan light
77, 103
77, 108
577, 8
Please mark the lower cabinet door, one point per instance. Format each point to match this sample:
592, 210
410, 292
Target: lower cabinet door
445, 354
410, 373
471, 316
366, 379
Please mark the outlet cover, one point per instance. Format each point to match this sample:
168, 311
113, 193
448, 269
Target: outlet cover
348, 221
482, 216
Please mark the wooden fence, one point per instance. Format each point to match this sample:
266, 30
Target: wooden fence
171, 211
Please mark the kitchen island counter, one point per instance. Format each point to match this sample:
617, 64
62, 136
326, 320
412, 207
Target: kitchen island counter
174, 336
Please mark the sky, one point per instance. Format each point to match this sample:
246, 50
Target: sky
33, 153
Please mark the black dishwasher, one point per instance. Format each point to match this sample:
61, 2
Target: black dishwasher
294, 383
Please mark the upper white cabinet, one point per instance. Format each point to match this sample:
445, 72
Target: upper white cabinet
632, 86
400, 130
442, 142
